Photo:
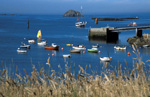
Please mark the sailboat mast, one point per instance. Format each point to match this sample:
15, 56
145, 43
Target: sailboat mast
81, 13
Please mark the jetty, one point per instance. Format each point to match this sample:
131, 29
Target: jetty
110, 34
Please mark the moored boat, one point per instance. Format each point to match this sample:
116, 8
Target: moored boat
25, 46
93, 50
133, 24
95, 46
31, 41
105, 59
81, 23
79, 47
21, 50
52, 47
75, 51
67, 56
120, 48
69, 44
42, 43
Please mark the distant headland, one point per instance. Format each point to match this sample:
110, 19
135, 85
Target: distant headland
72, 13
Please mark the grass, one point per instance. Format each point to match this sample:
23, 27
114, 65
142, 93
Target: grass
117, 83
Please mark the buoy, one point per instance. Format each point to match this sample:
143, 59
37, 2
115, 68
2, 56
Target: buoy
99, 52
62, 49
110, 58
83, 52
129, 53
53, 54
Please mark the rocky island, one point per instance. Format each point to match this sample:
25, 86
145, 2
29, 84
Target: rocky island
72, 13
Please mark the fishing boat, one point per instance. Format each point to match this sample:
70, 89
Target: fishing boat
52, 47
79, 47
21, 50
119, 48
25, 46
31, 41
105, 59
67, 56
40, 42
75, 51
81, 23
133, 24
93, 50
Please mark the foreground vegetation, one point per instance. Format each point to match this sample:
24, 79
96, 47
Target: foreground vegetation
134, 83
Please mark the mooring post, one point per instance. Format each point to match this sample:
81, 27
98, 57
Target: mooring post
139, 33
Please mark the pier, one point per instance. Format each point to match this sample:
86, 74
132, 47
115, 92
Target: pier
110, 34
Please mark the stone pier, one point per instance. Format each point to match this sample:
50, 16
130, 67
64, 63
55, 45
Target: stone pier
105, 33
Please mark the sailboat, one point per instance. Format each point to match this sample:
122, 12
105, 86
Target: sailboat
40, 41
80, 24
106, 59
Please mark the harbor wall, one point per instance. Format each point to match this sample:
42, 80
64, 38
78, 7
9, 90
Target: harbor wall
103, 34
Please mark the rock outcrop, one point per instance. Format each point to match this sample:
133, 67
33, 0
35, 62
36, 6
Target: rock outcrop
139, 41
72, 13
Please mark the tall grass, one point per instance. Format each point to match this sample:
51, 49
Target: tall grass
117, 83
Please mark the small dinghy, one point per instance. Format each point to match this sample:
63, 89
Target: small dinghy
67, 56
105, 59
21, 50
31, 41
25, 46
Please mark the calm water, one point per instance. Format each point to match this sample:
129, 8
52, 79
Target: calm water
61, 30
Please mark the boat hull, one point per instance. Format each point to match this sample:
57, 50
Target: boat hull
92, 51
42, 43
51, 48
105, 59
75, 51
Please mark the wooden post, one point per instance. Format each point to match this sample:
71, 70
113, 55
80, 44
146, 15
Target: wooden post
96, 21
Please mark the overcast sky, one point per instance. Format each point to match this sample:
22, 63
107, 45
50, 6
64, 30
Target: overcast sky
61, 6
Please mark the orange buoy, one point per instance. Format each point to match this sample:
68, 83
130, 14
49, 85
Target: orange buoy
99, 52
110, 58
53, 54
83, 52
129, 53
62, 49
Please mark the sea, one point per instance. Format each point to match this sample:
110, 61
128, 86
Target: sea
61, 31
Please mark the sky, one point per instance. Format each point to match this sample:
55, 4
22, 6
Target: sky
61, 6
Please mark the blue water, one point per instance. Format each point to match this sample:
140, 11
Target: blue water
61, 30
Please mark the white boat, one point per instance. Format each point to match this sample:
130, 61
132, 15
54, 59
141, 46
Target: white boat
119, 48
25, 46
95, 46
81, 23
31, 41
105, 59
67, 56
21, 51
146, 46
42, 43
79, 47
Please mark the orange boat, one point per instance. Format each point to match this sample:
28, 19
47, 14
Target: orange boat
51, 48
